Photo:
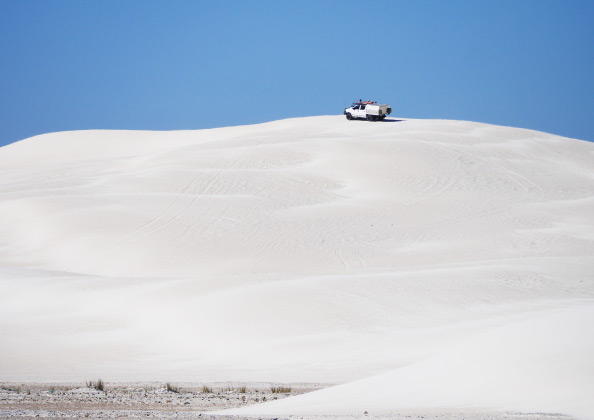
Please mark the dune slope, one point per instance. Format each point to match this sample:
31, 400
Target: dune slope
312, 249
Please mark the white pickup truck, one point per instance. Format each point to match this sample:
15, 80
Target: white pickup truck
370, 111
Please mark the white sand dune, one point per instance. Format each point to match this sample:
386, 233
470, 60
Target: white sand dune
540, 365
313, 249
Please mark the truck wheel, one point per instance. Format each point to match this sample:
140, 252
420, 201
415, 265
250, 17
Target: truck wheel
349, 116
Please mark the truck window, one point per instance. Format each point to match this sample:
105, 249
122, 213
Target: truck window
362, 106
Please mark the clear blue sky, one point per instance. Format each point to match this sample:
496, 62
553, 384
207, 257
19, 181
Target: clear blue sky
163, 65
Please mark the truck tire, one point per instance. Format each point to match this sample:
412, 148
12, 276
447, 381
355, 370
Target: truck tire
349, 116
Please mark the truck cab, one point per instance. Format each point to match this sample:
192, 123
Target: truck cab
358, 111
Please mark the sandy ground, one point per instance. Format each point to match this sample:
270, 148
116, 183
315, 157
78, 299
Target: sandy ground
133, 400
153, 401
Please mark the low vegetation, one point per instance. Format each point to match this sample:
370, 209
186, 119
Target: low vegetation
99, 385
171, 388
206, 389
280, 390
